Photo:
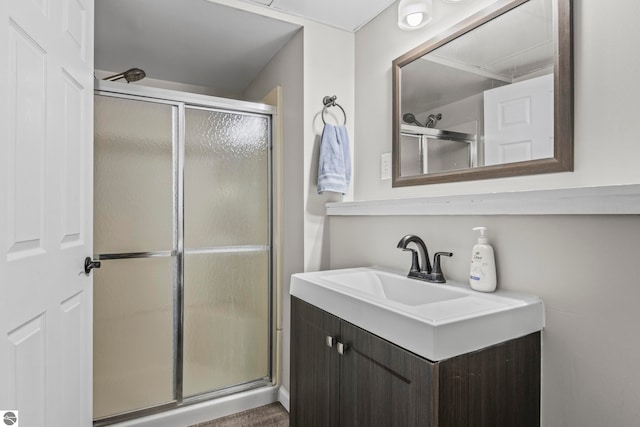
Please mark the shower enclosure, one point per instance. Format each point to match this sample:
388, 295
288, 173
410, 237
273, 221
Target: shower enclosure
428, 150
182, 227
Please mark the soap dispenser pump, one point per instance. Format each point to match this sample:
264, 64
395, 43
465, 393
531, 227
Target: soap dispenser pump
482, 276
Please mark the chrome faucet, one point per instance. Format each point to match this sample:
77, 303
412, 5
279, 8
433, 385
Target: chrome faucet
427, 274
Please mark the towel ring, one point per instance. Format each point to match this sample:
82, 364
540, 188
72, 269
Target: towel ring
330, 101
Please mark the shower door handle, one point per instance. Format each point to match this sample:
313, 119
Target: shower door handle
90, 264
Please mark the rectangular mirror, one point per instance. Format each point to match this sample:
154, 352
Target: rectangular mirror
492, 97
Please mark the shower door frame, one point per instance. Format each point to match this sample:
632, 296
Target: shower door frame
180, 102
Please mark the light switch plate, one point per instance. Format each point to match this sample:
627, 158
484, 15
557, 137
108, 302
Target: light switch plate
385, 166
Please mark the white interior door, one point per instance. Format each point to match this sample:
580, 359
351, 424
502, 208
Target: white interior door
518, 121
46, 158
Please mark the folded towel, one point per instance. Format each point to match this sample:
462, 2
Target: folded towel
334, 167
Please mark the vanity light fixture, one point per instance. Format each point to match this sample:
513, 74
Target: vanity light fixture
414, 14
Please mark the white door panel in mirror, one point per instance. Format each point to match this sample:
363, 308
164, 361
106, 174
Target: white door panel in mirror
518, 121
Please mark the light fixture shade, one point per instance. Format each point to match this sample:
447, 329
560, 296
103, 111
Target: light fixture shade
414, 14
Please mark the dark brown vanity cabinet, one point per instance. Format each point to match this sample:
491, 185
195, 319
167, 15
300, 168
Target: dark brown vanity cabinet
342, 375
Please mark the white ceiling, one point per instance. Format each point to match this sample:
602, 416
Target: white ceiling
188, 41
204, 43
502, 48
348, 15
492, 55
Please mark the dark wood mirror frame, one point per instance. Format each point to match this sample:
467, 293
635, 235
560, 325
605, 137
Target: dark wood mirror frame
563, 101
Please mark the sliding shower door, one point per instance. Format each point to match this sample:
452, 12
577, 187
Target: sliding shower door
183, 231
133, 215
226, 245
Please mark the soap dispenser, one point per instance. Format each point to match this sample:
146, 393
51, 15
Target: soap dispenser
482, 276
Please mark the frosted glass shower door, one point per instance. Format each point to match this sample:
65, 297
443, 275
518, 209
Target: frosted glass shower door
134, 238
227, 250
182, 218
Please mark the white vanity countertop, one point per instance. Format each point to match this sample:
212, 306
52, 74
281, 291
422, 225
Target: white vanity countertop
435, 321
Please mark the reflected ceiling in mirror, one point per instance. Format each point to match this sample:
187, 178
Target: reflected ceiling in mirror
490, 98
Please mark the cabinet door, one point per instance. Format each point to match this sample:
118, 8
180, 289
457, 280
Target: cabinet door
382, 384
504, 384
314, 366
496, 386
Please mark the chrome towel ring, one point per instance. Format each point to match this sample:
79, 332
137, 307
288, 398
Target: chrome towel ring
330, 101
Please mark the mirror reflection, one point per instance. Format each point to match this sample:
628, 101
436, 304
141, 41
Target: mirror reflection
482, 97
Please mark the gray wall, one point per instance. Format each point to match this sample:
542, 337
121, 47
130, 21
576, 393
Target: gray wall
606, 97
285, 70
585, 268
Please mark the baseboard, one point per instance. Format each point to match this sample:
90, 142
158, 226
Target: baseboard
283, 397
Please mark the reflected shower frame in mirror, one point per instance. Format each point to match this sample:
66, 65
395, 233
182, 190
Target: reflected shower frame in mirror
562, 161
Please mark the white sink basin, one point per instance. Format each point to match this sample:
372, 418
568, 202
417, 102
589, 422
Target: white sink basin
392, 287
435, 321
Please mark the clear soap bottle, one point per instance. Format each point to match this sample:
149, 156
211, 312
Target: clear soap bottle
482, 275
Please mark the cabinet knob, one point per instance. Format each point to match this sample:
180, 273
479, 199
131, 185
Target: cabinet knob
329, 341
341, 348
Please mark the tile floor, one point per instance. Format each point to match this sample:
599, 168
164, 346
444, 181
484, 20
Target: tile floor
273, 415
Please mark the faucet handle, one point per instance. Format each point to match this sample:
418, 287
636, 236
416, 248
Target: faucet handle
436, 260
436, 275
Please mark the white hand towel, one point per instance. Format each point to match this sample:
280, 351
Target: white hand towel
334, 166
